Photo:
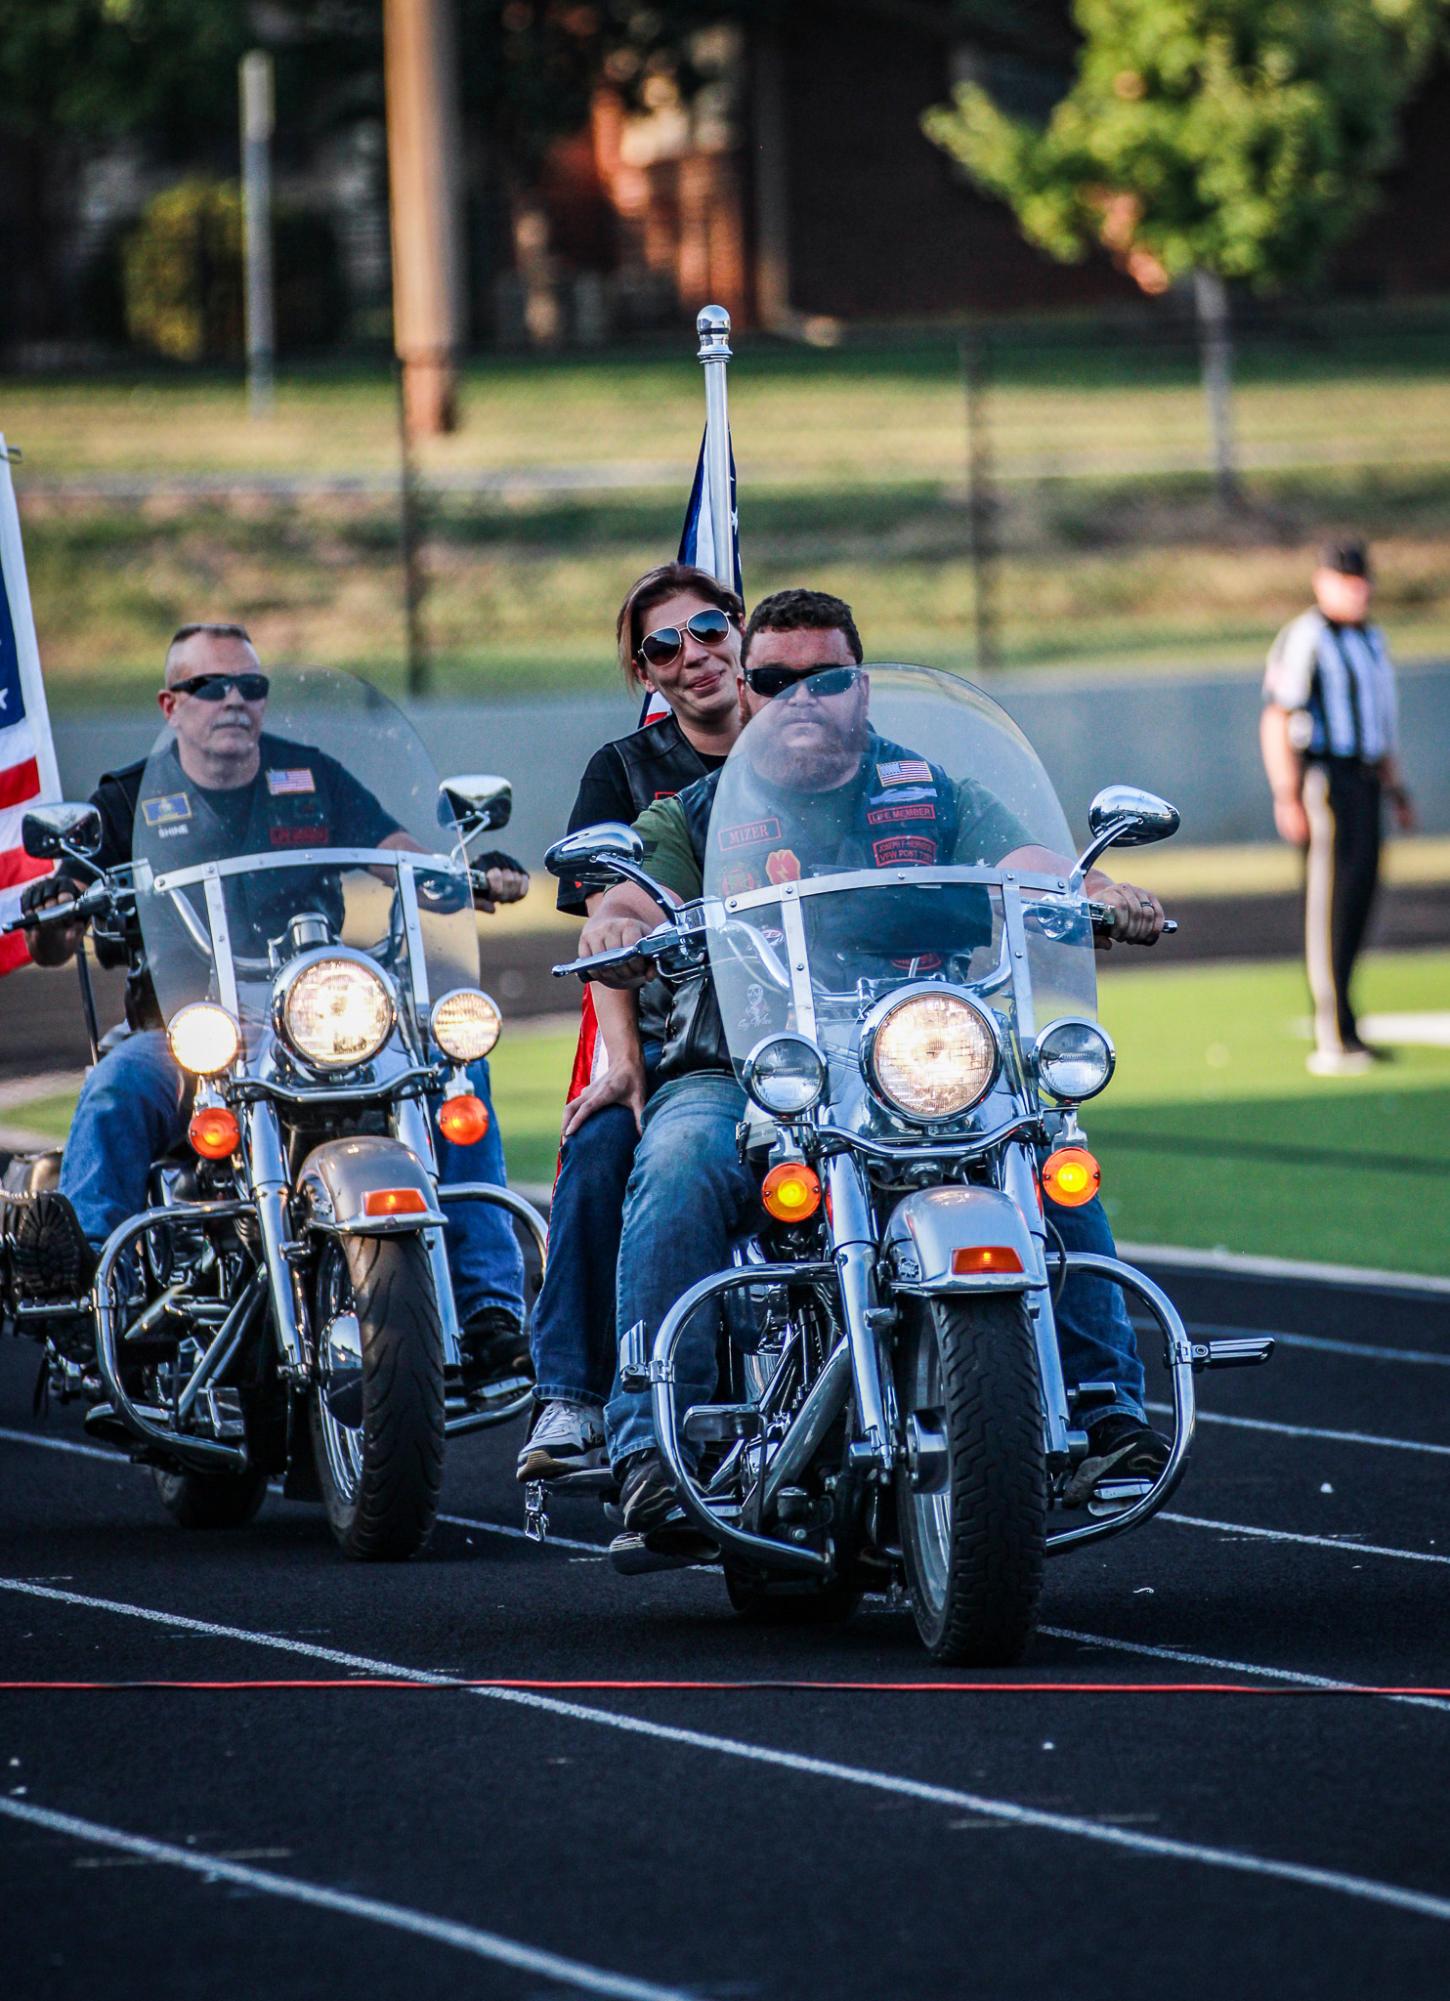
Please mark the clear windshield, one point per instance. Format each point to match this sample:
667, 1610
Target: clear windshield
310, 817
896, 829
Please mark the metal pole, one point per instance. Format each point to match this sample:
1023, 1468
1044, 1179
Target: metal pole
981, 507
425, 147
257, 126
713, 326
415, 582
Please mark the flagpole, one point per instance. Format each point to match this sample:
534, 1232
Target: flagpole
712, 324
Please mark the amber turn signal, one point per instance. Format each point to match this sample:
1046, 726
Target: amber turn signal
214, 1132
395, 1202
464, 1120
791, 1192
972, 1260
1071, 1176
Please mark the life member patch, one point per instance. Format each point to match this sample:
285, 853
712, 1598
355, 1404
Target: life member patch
890, 816
783, 865
748, 835
169, 806
904, 771
904, 851
279, 783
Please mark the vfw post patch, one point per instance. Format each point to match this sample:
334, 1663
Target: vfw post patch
166, 808
280, 783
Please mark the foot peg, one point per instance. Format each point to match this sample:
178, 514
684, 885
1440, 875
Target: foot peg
536, 1520
1235, 1352
721, 1423
1110, 1497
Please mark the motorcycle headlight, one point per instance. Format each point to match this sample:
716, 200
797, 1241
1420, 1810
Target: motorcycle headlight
336, 1012
466, 1024
1075, 1058
785, 1075
204, 1038
931, 1055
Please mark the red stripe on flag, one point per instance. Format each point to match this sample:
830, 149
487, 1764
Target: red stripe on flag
17, 867
582, 1074
19, 783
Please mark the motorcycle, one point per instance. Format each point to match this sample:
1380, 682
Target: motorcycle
915, 1038
283, 1306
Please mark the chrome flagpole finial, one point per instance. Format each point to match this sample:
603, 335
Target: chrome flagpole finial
712, 324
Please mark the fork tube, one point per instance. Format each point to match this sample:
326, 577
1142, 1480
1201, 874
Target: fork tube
271, 1191
853, 1241
1020, 1182
411, 1125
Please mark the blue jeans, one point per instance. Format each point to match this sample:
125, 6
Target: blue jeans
134, 1107
573, 1338
668, 1243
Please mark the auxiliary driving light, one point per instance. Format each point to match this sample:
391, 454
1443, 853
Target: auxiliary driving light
463, 1120
214, 1132
791, 1192
1071, 1176
465, 1024
785, 1075
1075, 1058
204, 1038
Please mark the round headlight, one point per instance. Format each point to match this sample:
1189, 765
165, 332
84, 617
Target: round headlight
466, 1025
204, 1038
1075, 1058
337, 1012
785, 1075
932, 1056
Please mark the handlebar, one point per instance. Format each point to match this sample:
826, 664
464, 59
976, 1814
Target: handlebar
89, 904
1104, 920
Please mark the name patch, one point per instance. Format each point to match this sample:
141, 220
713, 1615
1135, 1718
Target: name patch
169, 806
904, 771
298, 837
750, 835
280, 783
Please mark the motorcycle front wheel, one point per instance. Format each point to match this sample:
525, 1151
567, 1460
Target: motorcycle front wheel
377, 1412
971, 1491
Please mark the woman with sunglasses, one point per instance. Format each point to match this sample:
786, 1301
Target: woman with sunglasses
678, 633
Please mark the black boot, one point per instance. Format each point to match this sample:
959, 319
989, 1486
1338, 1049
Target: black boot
49, 1253
494, 1355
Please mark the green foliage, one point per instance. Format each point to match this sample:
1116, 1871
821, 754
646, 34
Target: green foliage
1240, 137
182, 269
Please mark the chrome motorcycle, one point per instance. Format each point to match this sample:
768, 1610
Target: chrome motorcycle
283, 1306
915, 1039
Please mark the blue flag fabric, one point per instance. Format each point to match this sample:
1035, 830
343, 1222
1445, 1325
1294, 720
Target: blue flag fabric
697, 546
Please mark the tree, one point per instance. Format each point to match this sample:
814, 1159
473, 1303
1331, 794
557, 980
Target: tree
1214, 141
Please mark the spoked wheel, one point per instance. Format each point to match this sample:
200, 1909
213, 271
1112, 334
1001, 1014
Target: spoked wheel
377, 1410
211, 1500
808, 1604
972, 1494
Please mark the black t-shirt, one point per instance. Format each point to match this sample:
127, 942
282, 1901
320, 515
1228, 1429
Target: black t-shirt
624, 777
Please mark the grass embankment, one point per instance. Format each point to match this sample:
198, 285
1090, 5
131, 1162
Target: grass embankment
570, 474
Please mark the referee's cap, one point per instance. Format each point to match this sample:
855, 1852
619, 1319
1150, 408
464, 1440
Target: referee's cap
1350, 558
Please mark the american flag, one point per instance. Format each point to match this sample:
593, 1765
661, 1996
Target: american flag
28, 775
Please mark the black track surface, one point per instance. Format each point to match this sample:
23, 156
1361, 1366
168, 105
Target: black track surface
690, 1867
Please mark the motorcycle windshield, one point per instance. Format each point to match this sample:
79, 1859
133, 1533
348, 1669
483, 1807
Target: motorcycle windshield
310, 816
882, 828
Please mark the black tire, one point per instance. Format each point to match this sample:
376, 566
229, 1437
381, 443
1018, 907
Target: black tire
380, 1480
829, 1604
211, 1500
974, 1547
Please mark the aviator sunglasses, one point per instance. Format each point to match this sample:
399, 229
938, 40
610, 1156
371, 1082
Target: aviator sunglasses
658, 649
817, 681
213, 687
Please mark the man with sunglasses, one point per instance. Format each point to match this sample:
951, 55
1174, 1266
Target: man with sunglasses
678, 635
227, 787
814, 771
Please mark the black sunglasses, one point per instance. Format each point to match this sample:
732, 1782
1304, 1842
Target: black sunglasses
772, 681
658, 649
213, 687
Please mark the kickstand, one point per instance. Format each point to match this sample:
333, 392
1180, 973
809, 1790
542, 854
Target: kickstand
536, 1519
40, 1401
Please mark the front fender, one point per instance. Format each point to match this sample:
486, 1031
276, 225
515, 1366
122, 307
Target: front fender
927, 1226
338, 1176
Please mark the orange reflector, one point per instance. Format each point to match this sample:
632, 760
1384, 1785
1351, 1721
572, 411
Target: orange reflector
214, 1132
395, 1202
463, 1120
1071, 1176
968, 1260
791, 1192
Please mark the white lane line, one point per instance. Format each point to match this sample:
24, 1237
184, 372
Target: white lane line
1178, 1257
1363, 1888
317, 1896
1226, 1666
49, 1444
521, 1535
1313, 1541
1311, 1431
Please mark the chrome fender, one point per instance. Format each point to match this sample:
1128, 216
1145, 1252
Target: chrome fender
929, 1224
337, 1177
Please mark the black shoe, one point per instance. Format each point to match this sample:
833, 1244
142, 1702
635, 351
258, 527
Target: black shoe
654, 1522
494, 1355
49, 1252
1119, 1448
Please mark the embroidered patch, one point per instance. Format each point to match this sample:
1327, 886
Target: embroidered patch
667, 795
750, 834
168, 806
299, 780
904, 851
738, 880
890, 816
904, 771
310, 836
783, 865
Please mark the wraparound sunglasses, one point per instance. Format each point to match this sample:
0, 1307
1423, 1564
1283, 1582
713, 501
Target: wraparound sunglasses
658, 649
817, 681
213, 687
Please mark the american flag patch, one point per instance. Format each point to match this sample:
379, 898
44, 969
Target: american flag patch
300, 780
905, 771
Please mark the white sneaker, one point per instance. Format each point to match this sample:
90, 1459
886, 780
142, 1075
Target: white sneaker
566, 1438
1338, 1062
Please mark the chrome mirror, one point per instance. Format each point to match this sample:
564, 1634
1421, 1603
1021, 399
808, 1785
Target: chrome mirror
593, 852
478, 801
1122, 816
69, 830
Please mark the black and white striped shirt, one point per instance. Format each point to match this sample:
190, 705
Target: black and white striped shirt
1339, 686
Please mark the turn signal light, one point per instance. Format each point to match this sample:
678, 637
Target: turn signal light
791, 1192
1071, 1176
971, 1260
214, 1132
463, 1120
394, 1202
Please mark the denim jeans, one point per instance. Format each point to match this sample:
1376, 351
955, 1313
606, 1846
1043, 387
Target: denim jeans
573, 1337
668, 1243
134, 1107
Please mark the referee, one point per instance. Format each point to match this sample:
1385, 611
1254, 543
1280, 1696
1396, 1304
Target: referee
1328, 736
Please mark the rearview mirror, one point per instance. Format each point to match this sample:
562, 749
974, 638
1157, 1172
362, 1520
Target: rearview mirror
588, 856
1131, 818
50, 831
479, 801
